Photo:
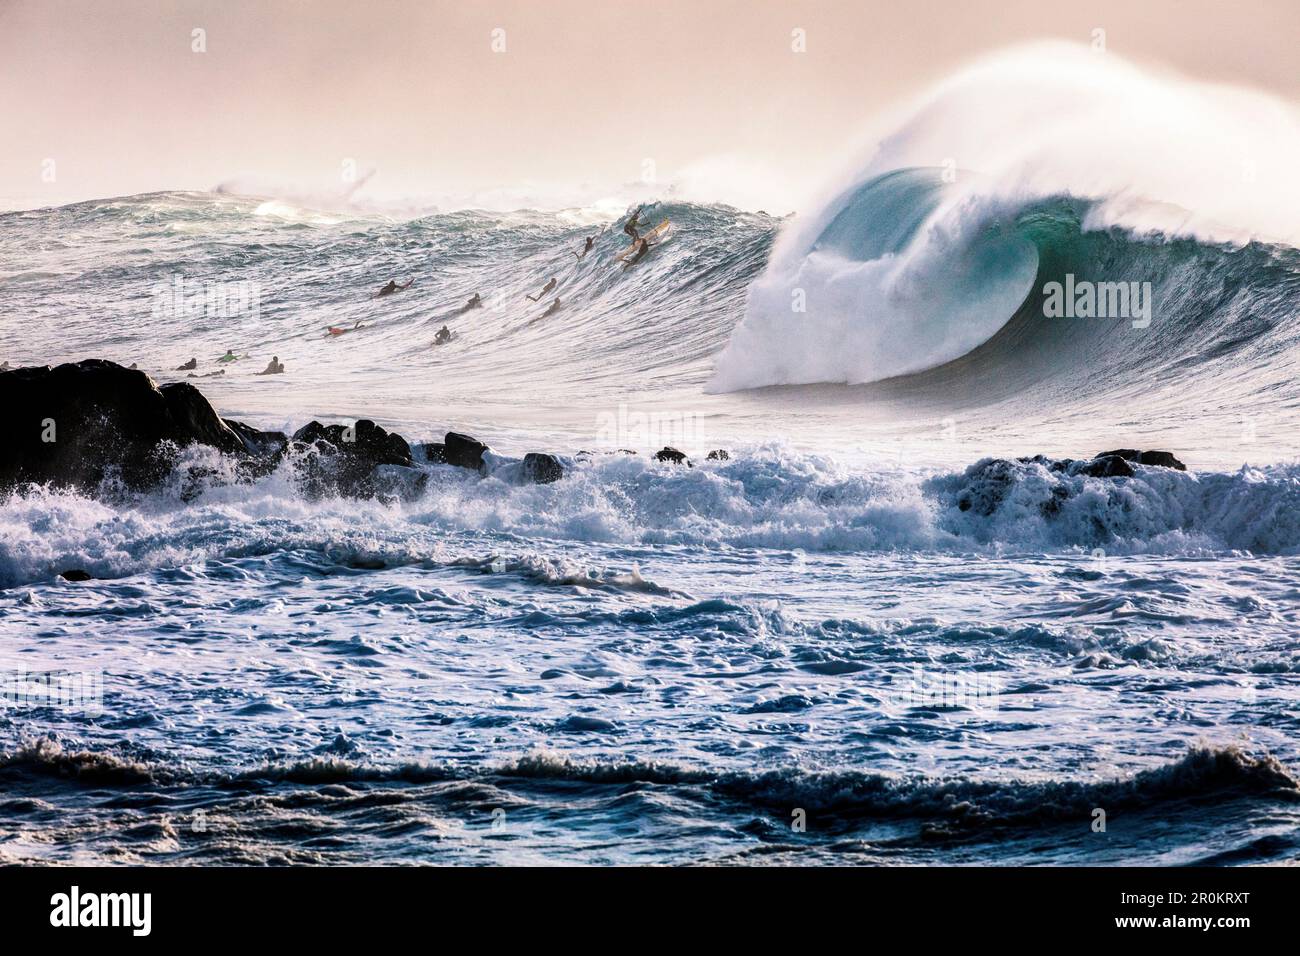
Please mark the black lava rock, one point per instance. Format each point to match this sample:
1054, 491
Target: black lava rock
542, 469
74, 424
670, 454
463, 451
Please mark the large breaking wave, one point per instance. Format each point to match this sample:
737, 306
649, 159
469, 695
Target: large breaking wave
936, 250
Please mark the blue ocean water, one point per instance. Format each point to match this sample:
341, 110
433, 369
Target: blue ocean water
814, 650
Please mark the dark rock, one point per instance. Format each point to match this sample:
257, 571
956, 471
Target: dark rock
1128, 454
1161, 459
718, 454
670, 454
463, 451
102, 419
76, 574
1051, 464
987, 483
364, 440
347, 460
1105, 466
196, 420
257, 442
542, 469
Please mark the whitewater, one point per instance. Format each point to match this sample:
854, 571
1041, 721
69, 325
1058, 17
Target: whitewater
878, 629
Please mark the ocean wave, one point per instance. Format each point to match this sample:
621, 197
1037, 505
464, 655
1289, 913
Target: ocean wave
1205, 772
1202, 773
947, 234
771, 499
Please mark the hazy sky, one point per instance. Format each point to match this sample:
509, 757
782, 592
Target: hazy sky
585, 91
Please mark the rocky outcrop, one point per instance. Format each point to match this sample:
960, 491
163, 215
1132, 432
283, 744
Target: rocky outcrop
1160, 459
986, 484
76, 424
354, 460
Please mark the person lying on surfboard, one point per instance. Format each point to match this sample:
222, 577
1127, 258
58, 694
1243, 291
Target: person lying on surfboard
189, 366
545, 289
591, 241
473, 302
551, 311
639, 249
230, 356
394, 287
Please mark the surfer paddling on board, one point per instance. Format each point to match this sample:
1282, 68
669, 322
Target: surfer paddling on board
639, 248
473, 302
545, 289
552, 310
393, 287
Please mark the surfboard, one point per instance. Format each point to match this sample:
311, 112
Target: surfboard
658, 233
654, 237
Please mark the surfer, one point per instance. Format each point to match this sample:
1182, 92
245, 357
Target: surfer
443, 336
274, 367
545, 289
633, 222
189, 366
230, 356
639, 248
473, 302
552, 310
392, 287
591, 241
